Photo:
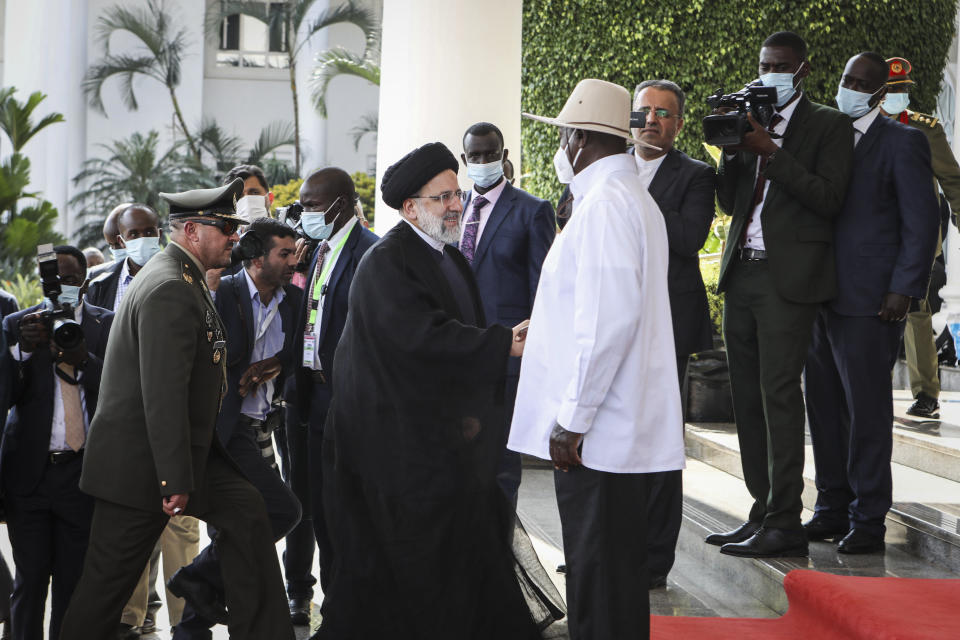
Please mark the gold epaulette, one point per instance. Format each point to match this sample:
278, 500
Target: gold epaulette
922, 118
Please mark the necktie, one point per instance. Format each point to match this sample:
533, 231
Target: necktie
316, 285
468, 245
72, 408
761, 180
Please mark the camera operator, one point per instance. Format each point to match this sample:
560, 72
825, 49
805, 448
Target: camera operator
53, 398
783, 186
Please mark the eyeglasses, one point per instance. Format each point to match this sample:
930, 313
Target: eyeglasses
226, 227
643, 112
446, 198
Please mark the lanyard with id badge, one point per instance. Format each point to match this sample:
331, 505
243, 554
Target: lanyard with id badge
318, 292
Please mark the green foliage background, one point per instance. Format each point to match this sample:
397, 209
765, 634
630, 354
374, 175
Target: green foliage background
707, 44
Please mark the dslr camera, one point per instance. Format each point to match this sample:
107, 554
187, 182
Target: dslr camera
725, 129
58, 317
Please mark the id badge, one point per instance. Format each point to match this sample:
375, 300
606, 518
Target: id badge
309, 349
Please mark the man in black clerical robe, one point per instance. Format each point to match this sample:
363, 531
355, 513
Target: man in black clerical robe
420, 530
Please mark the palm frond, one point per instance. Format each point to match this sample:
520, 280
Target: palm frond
274, 135
226, 149
349, 12
369, 123
16, 117
335, 62
125, 66
253, 8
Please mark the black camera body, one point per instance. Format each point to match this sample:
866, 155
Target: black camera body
290, 216
729, 128
58, 317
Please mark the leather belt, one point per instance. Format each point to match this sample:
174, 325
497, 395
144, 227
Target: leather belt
62, 457
751, 255
247, 421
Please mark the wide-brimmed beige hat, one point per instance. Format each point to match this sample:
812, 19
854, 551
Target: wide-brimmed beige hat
596, 105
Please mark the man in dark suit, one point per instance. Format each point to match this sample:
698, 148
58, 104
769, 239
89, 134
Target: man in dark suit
155, 431
506, 235
138, 234
8, 305
886, 238
53, 397
258, 306
329, 198
683, 188
783, 185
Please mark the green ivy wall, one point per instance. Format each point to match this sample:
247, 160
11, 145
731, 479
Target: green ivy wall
706, 44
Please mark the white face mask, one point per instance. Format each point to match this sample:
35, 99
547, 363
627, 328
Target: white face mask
895, 103
251, 207
563, 166
784, 84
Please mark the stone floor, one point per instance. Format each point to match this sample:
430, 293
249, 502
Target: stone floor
703, 583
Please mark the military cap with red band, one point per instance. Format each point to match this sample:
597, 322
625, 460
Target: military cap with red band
900, 69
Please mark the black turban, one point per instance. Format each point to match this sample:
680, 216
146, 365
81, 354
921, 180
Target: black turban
405, 176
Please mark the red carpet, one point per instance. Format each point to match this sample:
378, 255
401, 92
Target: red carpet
824, 606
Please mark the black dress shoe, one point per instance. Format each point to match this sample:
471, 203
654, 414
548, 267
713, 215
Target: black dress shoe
200, 595
299, 611
858, 541
819, 528
741, 533
769, 542
561, 568
925, 407
657, 582
128, 632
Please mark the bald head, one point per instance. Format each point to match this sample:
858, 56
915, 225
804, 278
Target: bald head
321, 190
138, 220
110, 229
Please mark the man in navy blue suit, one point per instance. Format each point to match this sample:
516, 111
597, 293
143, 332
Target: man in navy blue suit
884, 242
258, 306
53, 398
329, 219
506, 235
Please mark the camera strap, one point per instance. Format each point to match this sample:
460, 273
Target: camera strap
66, 377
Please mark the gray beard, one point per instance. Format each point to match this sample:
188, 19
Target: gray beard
433, 226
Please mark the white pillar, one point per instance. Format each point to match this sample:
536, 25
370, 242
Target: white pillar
446, 64
313, 128
950, 312
45, 49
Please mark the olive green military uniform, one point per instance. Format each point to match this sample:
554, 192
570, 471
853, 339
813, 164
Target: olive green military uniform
154, 436
918, 338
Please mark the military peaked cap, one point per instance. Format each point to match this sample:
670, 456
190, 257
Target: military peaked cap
900, 69
199, 203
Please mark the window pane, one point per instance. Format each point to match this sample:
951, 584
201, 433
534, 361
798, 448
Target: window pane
253, 34
278, 28
230, 33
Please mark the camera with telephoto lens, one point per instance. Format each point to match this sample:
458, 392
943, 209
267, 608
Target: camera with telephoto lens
58, 317
729, 128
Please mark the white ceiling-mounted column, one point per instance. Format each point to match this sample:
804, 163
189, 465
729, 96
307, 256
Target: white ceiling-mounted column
445, 65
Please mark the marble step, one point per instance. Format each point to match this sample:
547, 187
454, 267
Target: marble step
929, 445
923, 521
717, 501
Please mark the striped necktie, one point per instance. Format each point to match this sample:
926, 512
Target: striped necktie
468, 245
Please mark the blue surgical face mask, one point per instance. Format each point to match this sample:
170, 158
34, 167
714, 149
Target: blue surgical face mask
315, 224
854, 103
895, 103
69, 294
140, 250
784, 84
485, 175
118, 254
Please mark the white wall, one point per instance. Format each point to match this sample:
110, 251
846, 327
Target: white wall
427, 88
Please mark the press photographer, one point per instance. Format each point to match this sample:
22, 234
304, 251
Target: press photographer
783, 185
57, 350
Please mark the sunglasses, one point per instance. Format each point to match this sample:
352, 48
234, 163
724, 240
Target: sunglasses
226, 227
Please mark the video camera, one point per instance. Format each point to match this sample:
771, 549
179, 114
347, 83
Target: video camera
729, 128
58, 318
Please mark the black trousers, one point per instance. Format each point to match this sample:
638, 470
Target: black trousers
319, 404
510, 469
48, 532
603, 519
850, 409
300, 542
122, 539
665, 509
283, 512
